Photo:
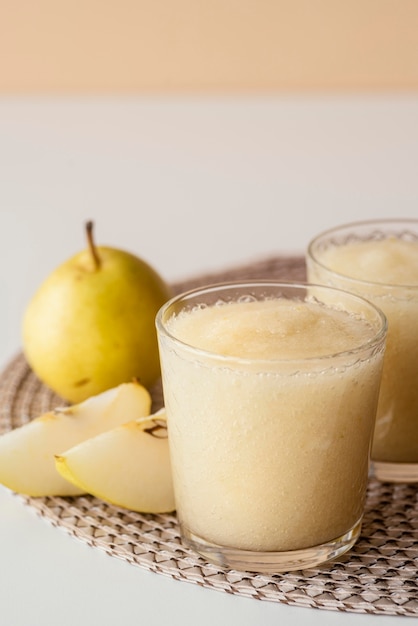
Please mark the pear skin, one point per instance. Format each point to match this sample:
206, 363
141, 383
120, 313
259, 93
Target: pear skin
91, 324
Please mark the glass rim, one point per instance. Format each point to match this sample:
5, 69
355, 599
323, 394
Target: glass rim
360, 224
372, 343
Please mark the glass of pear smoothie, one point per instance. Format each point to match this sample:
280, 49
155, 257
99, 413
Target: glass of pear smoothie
270, 392
378, 259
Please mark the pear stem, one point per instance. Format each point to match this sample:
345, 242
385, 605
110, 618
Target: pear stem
92, 247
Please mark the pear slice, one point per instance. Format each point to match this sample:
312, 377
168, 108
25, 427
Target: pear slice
128, 466
27, 463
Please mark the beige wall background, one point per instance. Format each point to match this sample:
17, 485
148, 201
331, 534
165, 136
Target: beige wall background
102, 46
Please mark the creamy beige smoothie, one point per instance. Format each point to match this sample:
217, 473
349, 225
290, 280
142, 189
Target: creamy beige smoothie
384, 270
269, 434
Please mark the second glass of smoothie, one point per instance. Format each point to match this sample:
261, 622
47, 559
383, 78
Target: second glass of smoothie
378, 259
271, 392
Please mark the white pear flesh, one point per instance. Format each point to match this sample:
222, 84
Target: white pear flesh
128, 466
27, 454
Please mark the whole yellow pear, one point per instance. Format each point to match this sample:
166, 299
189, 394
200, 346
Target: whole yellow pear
91, 324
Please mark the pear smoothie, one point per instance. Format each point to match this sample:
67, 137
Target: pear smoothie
270, 397
379, 260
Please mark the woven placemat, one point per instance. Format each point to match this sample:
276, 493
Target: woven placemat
378, 576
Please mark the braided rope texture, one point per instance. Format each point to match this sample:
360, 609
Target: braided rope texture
378, 576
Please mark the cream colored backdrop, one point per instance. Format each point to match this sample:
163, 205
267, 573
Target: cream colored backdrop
102, 46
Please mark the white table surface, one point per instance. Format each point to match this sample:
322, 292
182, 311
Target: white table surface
191, 184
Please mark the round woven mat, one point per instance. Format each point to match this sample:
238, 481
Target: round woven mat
378, 576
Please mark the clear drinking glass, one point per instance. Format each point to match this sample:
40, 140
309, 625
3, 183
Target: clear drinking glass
269, 425
379, 260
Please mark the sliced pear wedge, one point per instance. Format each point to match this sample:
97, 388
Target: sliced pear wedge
27, 463
128, 466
